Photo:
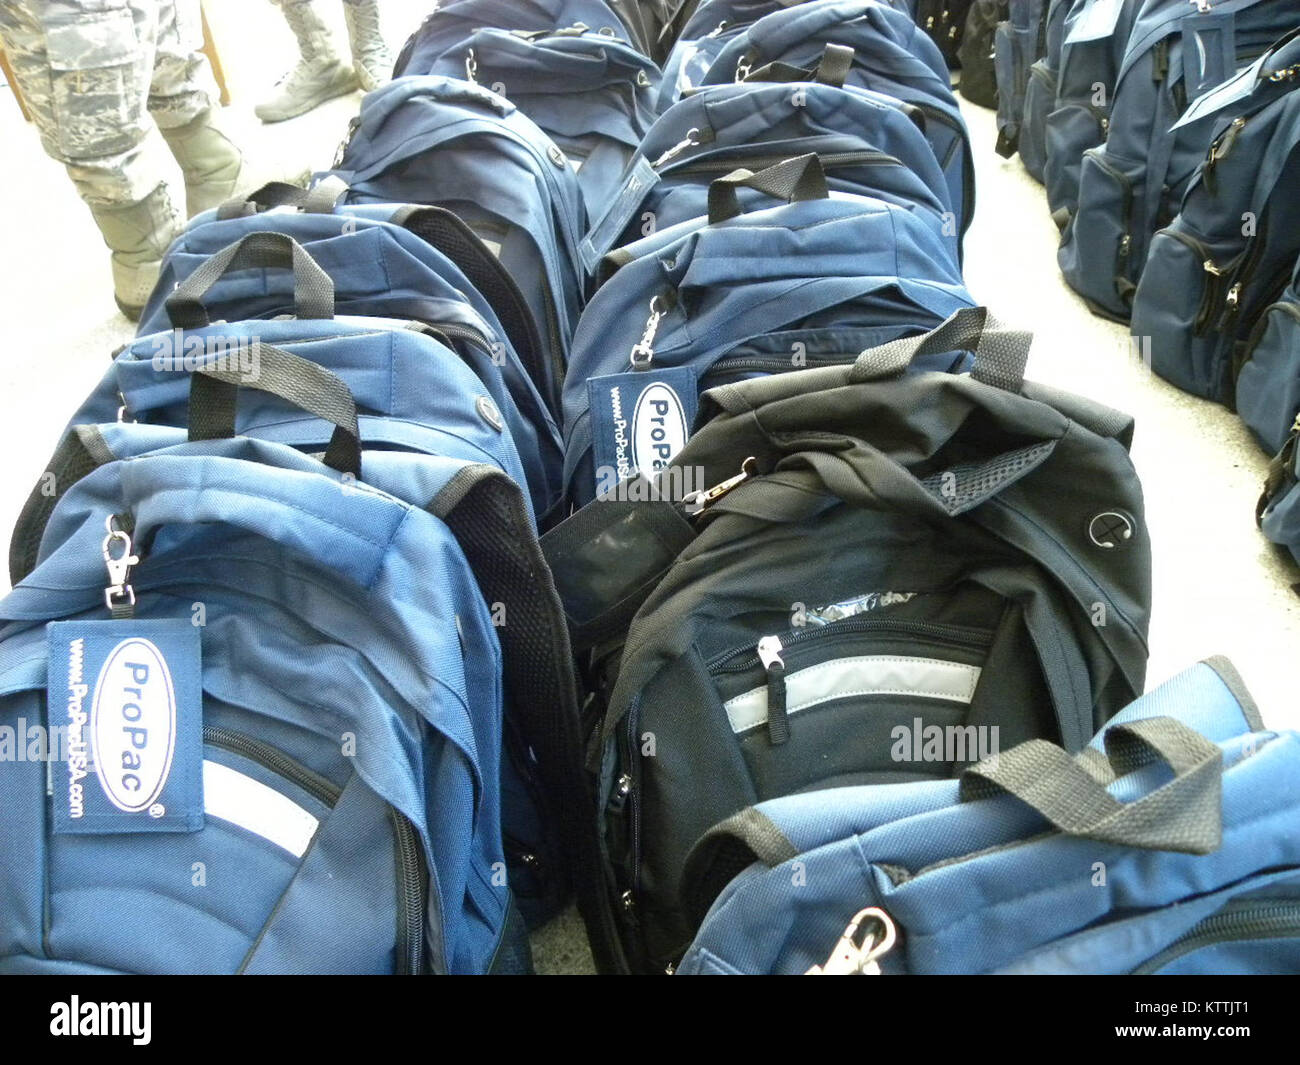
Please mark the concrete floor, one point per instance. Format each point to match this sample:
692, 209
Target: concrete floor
1219, 586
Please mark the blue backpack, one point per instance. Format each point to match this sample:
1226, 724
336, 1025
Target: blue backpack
709, 29
382, 261
734, 295
868, 45
307, 778
1268, 381
1278, 511
1019, 42
452, 23
1133, 185
417, 416
593, 94
867, 143
1096, 35
1231, 251
1170, 845
1041, 90
449, 143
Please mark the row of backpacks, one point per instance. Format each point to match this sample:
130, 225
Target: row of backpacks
601, 484
1167, 135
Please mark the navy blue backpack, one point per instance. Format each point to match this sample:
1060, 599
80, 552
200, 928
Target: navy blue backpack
382, 261
593, 94
452, 144
1019, 42
869, 45
1231, 251
1134, 184
452, 23
734, 295
273, 750
867, 143
1041, 90
1278, 511
1096, 36
1170, 845
1268, 380
418, 415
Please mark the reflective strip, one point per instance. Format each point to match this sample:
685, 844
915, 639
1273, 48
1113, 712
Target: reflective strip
923, 678
231, 796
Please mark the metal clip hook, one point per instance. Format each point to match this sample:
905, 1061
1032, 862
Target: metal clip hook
643, 351
698, 502
118, 565
856, 955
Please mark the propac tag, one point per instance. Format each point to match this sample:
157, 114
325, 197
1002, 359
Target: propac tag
128, 693
603, 236
1231, 91
1209, 51
640, 420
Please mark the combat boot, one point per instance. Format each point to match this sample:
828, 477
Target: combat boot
214, 167
371, 58
137, 234
318, 76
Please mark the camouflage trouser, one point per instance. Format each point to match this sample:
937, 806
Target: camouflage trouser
93, 73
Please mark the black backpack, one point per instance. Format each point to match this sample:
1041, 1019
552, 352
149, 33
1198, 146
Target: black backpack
880, 552
945, 22
979, 81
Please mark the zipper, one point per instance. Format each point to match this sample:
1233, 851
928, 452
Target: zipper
743, 659
410, 863
1213, 279
272, 758
1219, 149
1235, 922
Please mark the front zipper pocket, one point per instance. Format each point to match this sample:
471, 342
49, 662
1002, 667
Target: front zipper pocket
1239, 922
289, 828
841, 696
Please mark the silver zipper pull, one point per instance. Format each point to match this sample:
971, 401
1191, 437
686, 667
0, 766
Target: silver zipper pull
1234, 295
118, 559
1210, 268
716, 31
1202, 6
859, 954
769, 652
471, 67
643, 351
691, 140
697, 502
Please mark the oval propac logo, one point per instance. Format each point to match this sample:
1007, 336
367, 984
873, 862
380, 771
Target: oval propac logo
659, 429
133, 725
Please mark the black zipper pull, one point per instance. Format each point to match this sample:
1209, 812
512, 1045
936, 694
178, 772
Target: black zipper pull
778, 722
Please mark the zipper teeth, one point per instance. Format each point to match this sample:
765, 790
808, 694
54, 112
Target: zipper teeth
411, 889
726, 662
274, 759
1264, 921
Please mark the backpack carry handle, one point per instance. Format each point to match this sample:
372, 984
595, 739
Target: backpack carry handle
313, 290
1185, 814
321, 198
792, 180
832, 69
1001, 353
214, 394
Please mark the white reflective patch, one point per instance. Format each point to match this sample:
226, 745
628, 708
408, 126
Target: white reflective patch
842, 678
231, 796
